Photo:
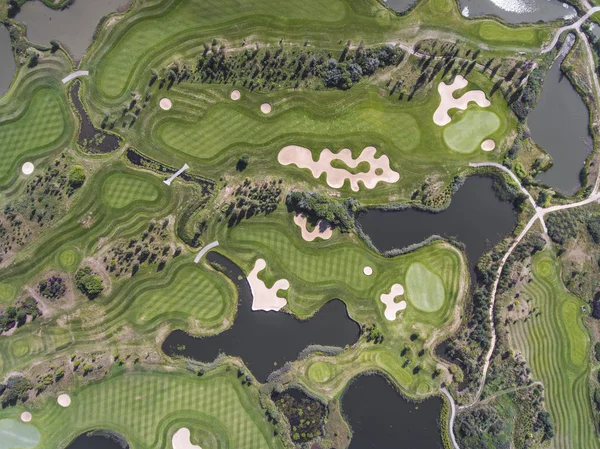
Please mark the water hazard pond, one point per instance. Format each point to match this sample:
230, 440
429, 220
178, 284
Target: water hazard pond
476, 217
265, 340
381, 419
518, 11
8, 66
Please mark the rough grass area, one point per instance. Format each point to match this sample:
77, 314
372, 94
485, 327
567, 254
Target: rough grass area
424, 288
466, 133
148, 407
555, 344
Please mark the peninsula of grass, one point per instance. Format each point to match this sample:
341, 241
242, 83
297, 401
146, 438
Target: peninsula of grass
555, 344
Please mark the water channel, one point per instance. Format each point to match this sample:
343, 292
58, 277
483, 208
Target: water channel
518, 11
559, 123
8, 66
380, 418
265, 340
73, 27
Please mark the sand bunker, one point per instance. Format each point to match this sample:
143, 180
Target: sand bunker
322, 230
27, 168
165, 104
447, 101
235, 95
379, 167
265, 108
392, 307
26, 417
488, 145
64, 400
181, 440
368, 270
264, 298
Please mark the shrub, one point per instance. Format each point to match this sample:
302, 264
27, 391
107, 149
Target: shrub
52, 288
88, 282
242, 163
597, 350
593, 227
76, 176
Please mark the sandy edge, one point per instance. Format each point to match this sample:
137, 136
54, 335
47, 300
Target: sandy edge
26, 417
447, 100
488, 145
368, 271
264, 298
265, 108
392, 307
181, 440
165, 104
235, 95
322, 230
64, 400
302, 157
27, 168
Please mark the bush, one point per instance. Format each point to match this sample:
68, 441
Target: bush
88, 282
76, 176
242, 163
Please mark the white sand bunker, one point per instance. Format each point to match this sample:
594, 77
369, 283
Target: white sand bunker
264, 298
488, 145
379, 167
447, 101
27, 168
165, 104
235, 95
265, 108
368, 270
64, 400
322, 230
181, 440
26, 417
392, 307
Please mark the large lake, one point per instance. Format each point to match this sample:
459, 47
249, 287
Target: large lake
73, 27
265, 340
519, 11
380, 418
476, 217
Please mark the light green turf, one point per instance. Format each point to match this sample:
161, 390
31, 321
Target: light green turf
320, 372
494, 31
466, 134
555, 345
147, 407
69, 259
17, 435
194, 293
39, 126
121, 190
7, 291
424, 289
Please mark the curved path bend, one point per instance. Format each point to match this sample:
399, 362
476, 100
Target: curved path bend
573, 26
73, 75
539, 214
452, 416
206, 249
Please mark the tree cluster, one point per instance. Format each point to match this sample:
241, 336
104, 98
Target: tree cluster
252, 199
305, 415
16, 315
88, 282
339, 213
52, 288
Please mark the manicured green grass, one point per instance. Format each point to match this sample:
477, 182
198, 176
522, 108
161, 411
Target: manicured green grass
320, 372
555, 344
121, 190
148, 407
466, 134
38, 127
494, 31
424, 288
194, 293
17, 435
69, 259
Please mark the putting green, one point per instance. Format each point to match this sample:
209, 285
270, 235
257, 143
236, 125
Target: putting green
320, 372
121, 190
69, 259
16, 435
7, 292
466, 135
424, 289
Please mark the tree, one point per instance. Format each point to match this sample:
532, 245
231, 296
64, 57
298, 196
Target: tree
242, 162
88, 282
76, 176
